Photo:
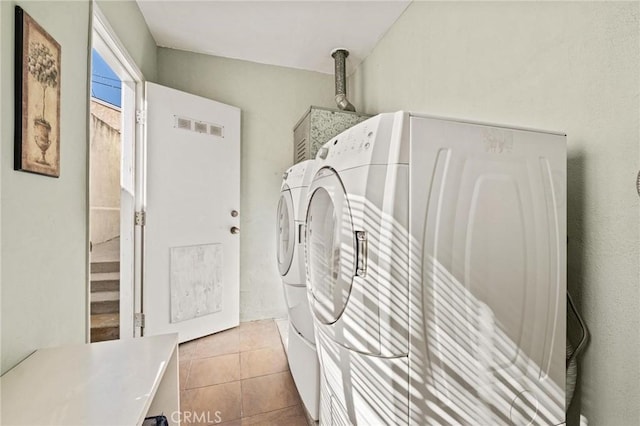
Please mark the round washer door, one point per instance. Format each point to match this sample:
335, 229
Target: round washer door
285, 232
330, 247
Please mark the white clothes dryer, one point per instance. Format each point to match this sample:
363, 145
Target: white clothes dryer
301, 345
291, 216
435, 263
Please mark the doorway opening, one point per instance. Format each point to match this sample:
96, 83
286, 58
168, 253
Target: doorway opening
115, 188
104, 199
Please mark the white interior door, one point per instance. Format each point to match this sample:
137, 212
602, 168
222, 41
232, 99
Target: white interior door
191, 244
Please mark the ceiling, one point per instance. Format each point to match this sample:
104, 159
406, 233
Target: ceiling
297, 34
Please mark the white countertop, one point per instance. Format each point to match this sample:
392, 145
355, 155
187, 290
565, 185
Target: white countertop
107, 383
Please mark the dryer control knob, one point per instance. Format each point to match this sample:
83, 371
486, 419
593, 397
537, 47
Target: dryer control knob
323, 152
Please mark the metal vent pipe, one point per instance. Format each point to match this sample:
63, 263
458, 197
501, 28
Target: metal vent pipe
340, 57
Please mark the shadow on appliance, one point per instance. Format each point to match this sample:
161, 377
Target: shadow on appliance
436, 264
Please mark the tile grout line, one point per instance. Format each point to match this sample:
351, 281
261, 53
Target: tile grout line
265, 375
238, 380
241, 402
188, 374
194, 358
272, 411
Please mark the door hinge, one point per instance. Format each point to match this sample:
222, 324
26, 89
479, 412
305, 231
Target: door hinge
141, 116
140, 218
138, 320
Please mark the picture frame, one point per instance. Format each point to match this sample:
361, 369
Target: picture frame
37, 98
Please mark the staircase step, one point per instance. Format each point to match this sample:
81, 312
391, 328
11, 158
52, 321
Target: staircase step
105, 296
105, 327
104, 334
105, 266
105, 281
105, 320
105, 307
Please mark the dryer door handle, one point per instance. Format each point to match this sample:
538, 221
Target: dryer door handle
361, 253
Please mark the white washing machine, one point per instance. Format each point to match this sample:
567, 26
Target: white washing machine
436, 254
301, 345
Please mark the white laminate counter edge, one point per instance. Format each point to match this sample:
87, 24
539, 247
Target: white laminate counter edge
106, 383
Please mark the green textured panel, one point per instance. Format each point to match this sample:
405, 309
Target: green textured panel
326, 124
321, 124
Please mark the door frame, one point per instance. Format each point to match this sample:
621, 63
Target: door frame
109, 46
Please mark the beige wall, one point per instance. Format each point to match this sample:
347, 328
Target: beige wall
272, 99
104, 157
44, 220
569, 66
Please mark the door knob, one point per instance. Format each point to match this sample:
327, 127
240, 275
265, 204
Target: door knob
235, 230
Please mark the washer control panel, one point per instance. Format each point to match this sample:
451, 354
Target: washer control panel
357, 143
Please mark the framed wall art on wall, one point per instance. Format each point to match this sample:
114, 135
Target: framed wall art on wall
37, 98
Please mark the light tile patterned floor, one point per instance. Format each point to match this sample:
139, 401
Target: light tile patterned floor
238, 377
